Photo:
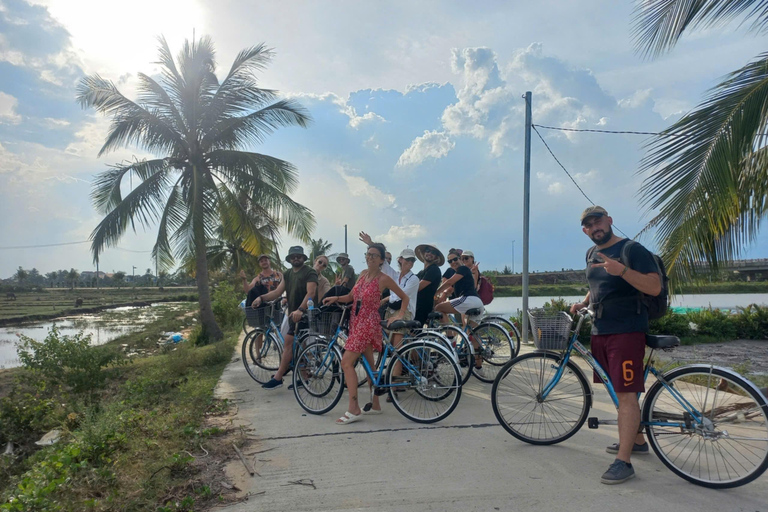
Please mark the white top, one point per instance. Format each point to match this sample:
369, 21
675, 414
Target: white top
409, 284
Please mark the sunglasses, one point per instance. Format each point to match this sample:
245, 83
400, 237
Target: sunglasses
371, 255
322, 263
465, 257
296, 257
454, 259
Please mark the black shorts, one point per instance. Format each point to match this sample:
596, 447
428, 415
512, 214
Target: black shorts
293, 328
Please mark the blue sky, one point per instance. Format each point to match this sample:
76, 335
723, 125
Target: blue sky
418, 116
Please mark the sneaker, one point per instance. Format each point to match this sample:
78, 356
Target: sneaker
618, 472
273, 384
637, 449
301, 385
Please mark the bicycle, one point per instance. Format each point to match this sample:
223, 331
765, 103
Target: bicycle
496, 345
427, 390
708, 435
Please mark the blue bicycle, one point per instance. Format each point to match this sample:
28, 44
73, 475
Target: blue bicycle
421, 376
707, 424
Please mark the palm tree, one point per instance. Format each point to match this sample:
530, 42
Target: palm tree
51, 276
710, 179
198, 125
72, 276
21, 275
318, 247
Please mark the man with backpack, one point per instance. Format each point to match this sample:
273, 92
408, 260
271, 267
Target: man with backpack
622, 276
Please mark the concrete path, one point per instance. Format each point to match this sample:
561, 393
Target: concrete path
465, 463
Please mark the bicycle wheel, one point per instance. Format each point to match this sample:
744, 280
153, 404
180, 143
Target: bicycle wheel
245, 325
318, 382
516, 401
459, 344
719, 437
514, 334
261, 358
495, 350
430, 385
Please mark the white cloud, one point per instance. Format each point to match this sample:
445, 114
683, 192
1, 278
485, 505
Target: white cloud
399, 235
8, 106
430, 145
359, 187
51, 122
555, 188
637, 99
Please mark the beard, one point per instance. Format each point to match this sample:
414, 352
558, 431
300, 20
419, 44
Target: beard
601, 238
297, 263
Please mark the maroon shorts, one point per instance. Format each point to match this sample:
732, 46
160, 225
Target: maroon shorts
621, 356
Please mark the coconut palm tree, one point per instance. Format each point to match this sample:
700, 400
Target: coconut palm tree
72, 276
198, 127
21, 275
318, 247
709, 180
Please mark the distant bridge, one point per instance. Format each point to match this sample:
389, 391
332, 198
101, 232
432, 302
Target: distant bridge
751, 269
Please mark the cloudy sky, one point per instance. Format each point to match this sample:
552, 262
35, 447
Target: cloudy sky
417, 109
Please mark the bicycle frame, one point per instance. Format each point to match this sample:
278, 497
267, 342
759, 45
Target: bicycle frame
575, 344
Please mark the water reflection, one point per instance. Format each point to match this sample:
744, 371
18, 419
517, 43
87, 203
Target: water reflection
103, 327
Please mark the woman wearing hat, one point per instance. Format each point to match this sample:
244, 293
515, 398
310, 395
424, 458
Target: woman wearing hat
346, 277
429, 280
464, 290
365, 330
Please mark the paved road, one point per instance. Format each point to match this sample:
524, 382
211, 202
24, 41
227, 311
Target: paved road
465, 463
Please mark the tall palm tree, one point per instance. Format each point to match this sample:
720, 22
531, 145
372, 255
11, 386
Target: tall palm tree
710, 179
318, 247
198, 127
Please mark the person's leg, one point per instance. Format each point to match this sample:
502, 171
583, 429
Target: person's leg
629, 422
368, 354
285, 361
348, 361
396, 339
446, 308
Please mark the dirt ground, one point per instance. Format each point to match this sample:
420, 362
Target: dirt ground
734, 354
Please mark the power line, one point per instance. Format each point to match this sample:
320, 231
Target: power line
62, 244
617, 132
569, 174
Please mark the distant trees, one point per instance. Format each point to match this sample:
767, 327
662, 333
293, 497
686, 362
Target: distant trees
118, 278
21, 275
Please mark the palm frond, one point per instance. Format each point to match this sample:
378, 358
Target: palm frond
253, 128
276, 172
659, 24
173, 217
709, 183
143, 205
106, 194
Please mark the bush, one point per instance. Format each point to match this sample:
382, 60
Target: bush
32, 408
68, 360
225, 302
713, 322
752, 322
672, 324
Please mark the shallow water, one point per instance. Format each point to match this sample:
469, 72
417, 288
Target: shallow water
103, 327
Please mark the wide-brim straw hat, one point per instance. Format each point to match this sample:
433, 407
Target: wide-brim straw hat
419, 250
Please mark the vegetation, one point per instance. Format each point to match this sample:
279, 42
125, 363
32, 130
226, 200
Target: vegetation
133, 436
561, 290
710, 181
202, 179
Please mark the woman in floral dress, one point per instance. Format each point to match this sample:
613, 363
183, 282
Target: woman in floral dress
365, 330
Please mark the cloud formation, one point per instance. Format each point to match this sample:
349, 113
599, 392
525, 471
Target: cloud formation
432, 144
399, 236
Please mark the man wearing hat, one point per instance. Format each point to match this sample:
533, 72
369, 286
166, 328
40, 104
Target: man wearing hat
299, 284
618, 327
346, 277
268, 277
429, 279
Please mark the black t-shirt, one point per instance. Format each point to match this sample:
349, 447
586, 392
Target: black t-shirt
448, 273
425, 299
257, 291
617, 298
464, 287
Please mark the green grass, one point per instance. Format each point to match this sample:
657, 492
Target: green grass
54, 302
554, 290
134, 444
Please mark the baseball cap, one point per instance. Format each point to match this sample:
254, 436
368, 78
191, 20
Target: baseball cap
407, 253
262, 256
468, 253
593, 211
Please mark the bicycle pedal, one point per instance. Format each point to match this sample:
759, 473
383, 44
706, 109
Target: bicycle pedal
380, 391
593, 423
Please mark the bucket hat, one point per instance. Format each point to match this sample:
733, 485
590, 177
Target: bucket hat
420, 249
296, 249
342, 255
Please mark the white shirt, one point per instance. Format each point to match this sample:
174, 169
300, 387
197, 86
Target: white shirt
409, 284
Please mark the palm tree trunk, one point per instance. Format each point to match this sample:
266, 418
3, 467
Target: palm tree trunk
207, 319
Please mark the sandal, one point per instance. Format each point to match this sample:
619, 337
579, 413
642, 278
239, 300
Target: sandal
349, 418
368, 410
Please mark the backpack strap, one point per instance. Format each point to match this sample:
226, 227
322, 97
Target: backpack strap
624, 258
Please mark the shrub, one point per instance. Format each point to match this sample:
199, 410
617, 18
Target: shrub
225, 302
713, 322
752, 322
68, 360
672, 324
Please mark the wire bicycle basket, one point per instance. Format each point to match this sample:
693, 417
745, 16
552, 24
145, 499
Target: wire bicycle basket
325, 322
551, 329
259, 318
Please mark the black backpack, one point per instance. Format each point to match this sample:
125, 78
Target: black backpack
658, 305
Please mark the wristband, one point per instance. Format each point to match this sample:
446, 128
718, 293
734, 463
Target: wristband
624, 271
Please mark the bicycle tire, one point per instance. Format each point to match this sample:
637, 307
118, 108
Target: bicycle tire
261, 367
515, 401
465, 354
318, 382
424, 398
245, 326
495, 350
734, 439
514, 334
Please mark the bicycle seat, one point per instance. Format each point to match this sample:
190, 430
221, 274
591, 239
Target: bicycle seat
475, 312
661, 341
401, 324
434, 315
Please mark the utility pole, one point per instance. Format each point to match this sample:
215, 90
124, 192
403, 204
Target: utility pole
513, 256
133, 277
526, 211
345, 239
